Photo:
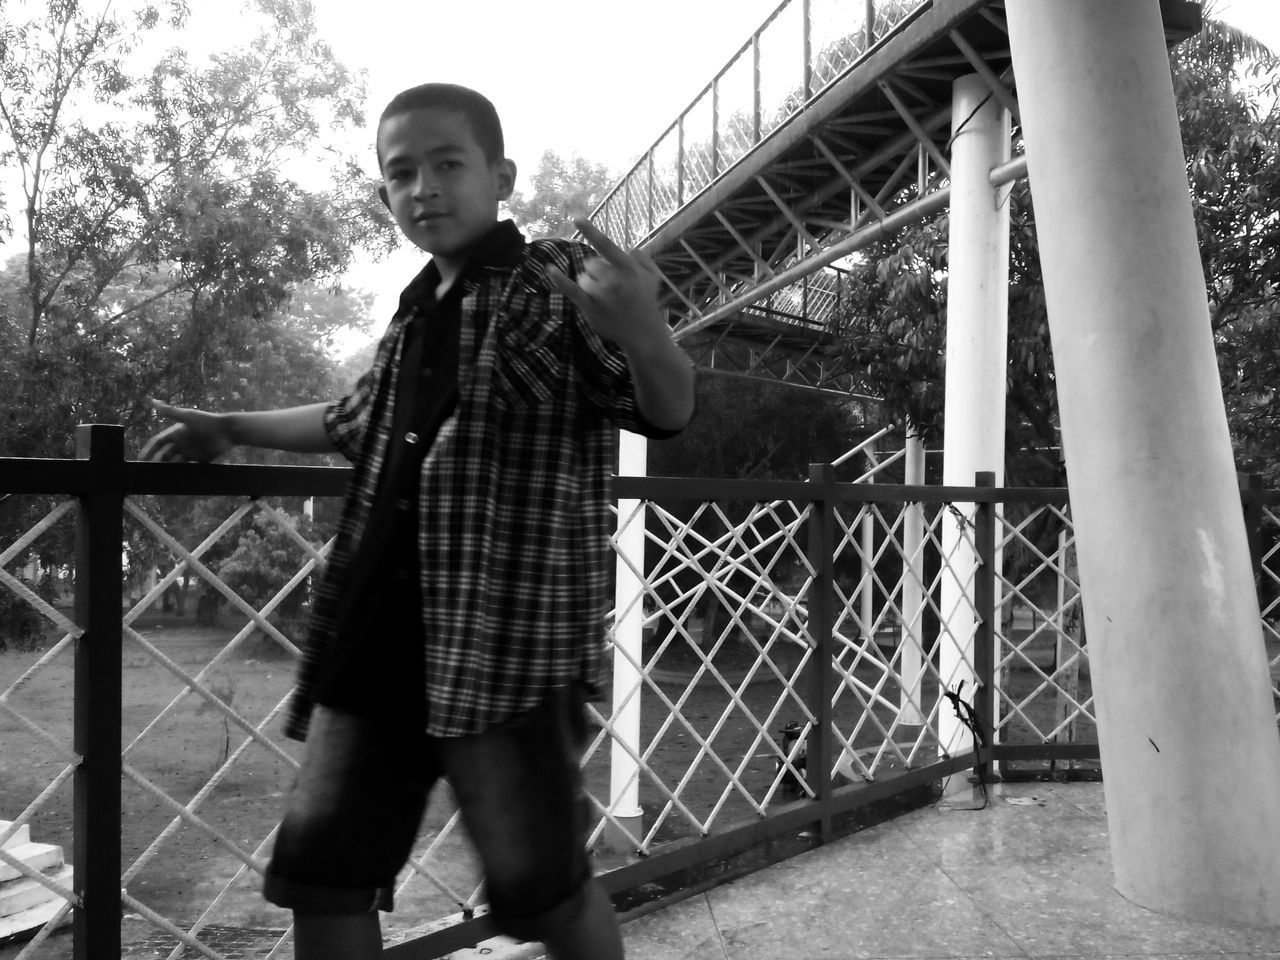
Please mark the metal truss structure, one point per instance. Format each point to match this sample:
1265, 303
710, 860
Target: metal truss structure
827, 131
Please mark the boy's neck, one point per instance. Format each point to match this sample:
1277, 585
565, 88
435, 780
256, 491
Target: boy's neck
450, 270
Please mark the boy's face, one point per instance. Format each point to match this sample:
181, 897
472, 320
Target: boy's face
442, 191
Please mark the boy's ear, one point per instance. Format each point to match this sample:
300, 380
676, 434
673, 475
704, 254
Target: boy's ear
382, 195
506, 178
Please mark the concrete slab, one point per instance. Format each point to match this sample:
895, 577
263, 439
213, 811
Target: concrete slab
1028, 877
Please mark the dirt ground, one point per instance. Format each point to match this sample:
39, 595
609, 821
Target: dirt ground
181, 745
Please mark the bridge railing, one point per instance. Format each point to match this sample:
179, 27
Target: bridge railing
799, 50
802, 649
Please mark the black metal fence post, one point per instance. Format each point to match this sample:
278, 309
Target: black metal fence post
822, 523
984, 602
97, 711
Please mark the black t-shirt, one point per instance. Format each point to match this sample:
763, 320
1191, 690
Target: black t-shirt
382, 609
376, 663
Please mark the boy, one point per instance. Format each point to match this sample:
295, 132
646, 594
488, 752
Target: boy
461, 615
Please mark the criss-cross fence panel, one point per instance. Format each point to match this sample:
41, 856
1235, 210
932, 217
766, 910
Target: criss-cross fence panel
887, 650
37, 751
725, 645
791, 669
1265, 528
1045, 694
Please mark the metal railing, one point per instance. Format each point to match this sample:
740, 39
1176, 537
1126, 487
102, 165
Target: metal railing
802, 655
799, 50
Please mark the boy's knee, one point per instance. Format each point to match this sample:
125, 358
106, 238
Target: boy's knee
528, 913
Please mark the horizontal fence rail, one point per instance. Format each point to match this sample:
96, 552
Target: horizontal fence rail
784, 654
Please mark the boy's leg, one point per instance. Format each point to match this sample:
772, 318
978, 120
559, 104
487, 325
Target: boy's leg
355, 936
593, 934
349, 825
520, 792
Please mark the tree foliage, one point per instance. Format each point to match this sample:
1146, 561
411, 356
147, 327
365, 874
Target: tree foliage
164, 238
562, 190
755, 430
265, 558
176, 230
1227, 87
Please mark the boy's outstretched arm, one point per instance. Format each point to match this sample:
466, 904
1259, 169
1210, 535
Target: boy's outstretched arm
200, 436
617, 293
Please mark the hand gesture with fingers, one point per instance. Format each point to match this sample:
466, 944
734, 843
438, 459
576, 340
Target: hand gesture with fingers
195, 435
617, 292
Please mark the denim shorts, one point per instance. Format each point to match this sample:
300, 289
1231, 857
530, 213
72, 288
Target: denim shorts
354, 813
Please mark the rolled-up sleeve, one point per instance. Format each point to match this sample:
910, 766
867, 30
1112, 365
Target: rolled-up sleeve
601, 371
346, 419
606, 380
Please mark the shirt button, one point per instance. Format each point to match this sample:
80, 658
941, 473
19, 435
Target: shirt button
410, 437
426, 372
403, 503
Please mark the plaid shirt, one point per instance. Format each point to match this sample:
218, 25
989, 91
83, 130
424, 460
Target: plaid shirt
513, 501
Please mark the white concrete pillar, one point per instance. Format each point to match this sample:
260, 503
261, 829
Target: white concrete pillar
628, 636
1190, 752
974, 399
911, 638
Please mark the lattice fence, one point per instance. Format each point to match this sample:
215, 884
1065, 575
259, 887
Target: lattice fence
786, 630
1268, 574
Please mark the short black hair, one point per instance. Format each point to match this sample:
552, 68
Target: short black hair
477, 108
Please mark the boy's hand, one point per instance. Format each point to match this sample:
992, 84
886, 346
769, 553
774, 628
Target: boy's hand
194, 436
617, 292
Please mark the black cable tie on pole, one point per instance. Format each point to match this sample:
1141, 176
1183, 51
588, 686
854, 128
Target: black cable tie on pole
968, 717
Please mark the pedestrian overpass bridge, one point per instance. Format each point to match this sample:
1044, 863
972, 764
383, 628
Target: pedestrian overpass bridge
828, 130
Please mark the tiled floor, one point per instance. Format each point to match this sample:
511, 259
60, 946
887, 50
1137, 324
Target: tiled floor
1028, 877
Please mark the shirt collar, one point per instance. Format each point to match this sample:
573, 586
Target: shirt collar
500, 247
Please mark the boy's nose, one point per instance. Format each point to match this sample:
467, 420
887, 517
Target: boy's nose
426, 186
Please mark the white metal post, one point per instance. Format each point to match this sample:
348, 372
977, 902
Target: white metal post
977, 331
866, 592
911, 644
1186, 724
628, 650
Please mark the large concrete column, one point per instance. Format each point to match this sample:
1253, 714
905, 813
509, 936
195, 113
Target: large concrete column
628, 635
1190, 753
977, 335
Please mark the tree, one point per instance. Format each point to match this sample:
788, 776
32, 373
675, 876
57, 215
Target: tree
183, 235
562, 190
756, 430
264, 560
161, 231
1227, 86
